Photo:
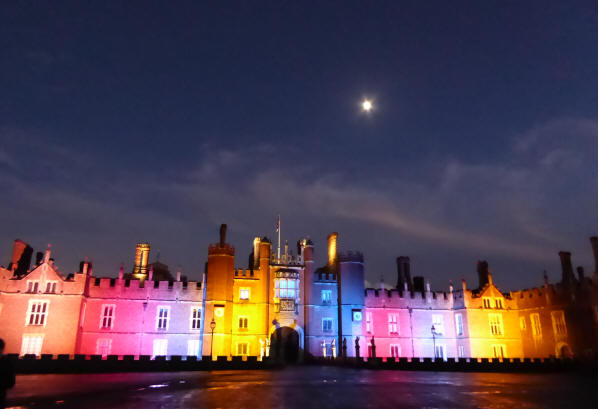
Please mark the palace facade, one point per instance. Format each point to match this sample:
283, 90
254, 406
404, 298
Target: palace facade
284, 306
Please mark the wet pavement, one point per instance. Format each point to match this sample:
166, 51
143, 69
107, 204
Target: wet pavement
305, 387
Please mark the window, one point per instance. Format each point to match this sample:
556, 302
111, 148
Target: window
393, 328
38, 311
32, 286
495, 321
326, 324
162, 317
32, 344
195, 318
244, 293
285, 287
103, 347
499, 351
326, 296
107, 316
522, 324
536, 326
242, 322
498, 303
558, 323
51, 287
461, 351
438, 323
368, 321
395, 350
193, 347
439, 351
160, 347
487, 302
459, 324
242, 348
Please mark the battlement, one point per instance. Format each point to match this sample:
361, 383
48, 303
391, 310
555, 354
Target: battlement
245, 273
433, 299
218, 249
116, 283
350, 257
324, 275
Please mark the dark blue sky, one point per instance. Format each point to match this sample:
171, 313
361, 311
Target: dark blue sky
157, 122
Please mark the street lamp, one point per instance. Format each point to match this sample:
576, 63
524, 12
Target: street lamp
212, 326
433, 329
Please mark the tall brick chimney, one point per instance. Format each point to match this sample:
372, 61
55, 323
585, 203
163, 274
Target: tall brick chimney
483, 273
21, 258
594, 241
404, 273
332, 248
567, 268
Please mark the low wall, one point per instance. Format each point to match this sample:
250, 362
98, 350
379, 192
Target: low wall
96, 364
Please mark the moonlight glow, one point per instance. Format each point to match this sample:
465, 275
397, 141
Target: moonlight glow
366, 105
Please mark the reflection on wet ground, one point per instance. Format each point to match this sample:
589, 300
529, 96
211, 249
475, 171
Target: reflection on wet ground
304, 387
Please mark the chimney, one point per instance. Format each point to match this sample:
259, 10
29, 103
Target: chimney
178, 276
47, 255
594, 241
256, 253
483, 273
39, 256
84, 265
121, 271
332, 245
141, 257
567, 268
151, 273
222, 235
21, 258
404, 272
580, 274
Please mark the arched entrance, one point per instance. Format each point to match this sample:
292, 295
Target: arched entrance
284, 345
563, 350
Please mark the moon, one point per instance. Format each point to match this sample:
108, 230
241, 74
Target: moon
367, 105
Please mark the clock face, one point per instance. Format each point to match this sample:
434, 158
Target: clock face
219, 312
356, 315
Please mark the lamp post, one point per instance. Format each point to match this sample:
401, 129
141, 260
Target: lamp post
212, 326
433, 329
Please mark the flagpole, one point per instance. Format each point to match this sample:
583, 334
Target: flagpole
278, 228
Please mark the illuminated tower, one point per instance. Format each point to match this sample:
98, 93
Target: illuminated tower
219, 295
141, 257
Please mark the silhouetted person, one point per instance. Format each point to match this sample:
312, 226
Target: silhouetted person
7, 375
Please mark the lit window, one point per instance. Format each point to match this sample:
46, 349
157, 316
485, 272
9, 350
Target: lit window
522, 325
459, 324
326, 296
393, 327
487, 302
244, 293
536, 326
558, 323
496, 326
193, 347
368, 321
32, 344
327, 324
395, 350
107, 316
51, 287
160, 347
243, 321
286, 287
498, 303
242, 348
195, 318
438, 323
499, 350
103, 347
162, 318
38, 311
32, 286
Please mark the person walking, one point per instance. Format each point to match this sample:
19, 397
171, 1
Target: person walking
7, 375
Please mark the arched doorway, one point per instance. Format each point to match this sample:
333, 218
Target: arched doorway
284, 345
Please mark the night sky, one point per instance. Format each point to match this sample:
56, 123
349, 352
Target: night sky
157, 121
